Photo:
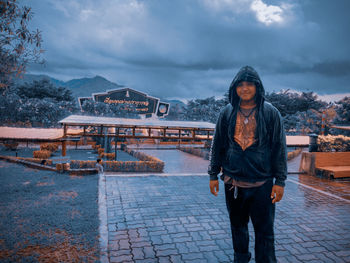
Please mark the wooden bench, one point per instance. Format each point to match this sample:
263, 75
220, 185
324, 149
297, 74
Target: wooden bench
326, 164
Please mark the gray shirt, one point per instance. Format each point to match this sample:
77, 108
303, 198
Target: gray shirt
99, 168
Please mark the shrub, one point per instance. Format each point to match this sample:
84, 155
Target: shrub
11, 145
100, 151
294, 153
109, 156
95, 146
118, 166
42, 154
49, 147
195, 151
332, 143
152, 163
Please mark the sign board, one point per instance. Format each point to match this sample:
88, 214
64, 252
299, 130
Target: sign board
130, 99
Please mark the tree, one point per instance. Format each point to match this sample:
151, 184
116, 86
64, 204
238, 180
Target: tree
44, 89
343, 111
290, 102
204, 109
18, 45
39, 103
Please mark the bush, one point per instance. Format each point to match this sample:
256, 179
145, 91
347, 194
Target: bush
11, 145
95, 146
141, 156
49, 147
294, 153
195, 151
153, 163
332, 143
100, 151
109, 156
42, 154
118, 166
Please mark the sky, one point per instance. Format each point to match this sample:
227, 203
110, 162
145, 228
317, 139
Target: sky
188, 49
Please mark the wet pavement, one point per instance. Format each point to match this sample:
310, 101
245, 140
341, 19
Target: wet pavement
170, 217
174, 218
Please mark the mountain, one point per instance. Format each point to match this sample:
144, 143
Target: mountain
174, 102
30, 78
83, 87
86, 86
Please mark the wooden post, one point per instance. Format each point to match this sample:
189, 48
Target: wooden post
84, 136
193, 135
116, 142
64, 142
179, 137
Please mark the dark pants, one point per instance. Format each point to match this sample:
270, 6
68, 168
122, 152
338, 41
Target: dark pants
256, 204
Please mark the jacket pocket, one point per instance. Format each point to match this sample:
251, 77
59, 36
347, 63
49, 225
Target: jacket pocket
233, 161
259, 161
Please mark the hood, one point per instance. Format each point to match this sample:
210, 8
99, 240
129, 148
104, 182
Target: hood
246, 73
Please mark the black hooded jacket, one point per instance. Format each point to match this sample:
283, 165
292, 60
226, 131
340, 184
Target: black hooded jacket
267, 157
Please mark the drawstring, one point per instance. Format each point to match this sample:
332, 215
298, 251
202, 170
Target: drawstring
235, 191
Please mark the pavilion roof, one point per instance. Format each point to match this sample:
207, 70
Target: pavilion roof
346, 128
78, 120
297, 140
33, 133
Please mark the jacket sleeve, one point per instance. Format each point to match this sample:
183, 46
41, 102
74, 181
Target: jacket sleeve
278, 150
216, 150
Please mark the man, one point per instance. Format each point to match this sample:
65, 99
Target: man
249, 147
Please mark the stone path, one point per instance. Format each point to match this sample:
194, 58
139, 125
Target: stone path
175, 219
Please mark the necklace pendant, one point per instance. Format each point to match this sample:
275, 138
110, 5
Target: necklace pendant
245, 121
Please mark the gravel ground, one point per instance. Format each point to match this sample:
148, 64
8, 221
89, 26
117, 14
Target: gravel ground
47, 217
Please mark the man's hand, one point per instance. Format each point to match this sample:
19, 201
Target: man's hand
214, 187
277, 193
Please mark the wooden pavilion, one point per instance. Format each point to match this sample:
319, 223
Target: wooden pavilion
122, 128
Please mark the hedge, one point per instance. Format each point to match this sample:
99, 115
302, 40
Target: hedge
109, 156
100, 151
49, 147
331, 143
11, 145
118, 166
195, 151
140, 155
42, 154
293, 154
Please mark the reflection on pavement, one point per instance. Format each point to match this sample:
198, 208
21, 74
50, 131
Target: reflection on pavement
179, 162
337, 187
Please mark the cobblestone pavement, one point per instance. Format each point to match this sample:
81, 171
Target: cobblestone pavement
176, 219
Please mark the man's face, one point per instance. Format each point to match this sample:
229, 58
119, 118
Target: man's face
246, 91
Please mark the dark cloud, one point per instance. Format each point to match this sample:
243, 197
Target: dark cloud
192, 48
